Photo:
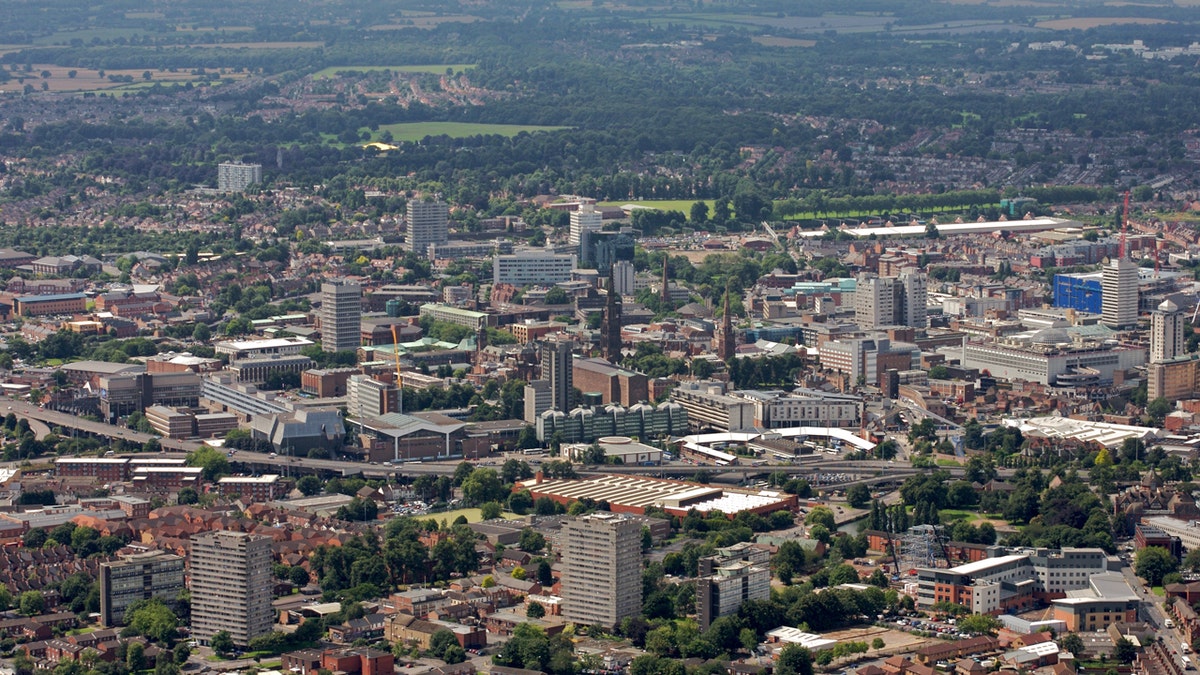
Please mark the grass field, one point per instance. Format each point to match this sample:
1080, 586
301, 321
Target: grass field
683, 205
768, 41
1085, 23
435, 69
472, 516
85, 79
415, 131
312, 44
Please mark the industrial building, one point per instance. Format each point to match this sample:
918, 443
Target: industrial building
634, 494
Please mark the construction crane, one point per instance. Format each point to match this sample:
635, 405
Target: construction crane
399, 377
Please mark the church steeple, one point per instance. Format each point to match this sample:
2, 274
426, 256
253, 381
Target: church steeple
726, 346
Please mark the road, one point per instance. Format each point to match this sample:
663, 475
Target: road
1152, 612
867, 471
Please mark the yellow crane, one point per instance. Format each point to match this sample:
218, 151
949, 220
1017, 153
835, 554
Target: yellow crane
399, 377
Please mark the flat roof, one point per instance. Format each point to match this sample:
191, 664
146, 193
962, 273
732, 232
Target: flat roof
986, 564
50, 298
269, 343
1029, 225
91, 460
265, 479
642, 492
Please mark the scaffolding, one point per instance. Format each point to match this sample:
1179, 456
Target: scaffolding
921, 546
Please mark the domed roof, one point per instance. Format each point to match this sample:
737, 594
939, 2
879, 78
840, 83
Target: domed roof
1050, 336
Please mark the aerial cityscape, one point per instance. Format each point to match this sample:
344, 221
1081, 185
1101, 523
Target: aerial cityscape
555, 337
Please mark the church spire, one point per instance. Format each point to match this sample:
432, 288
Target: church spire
725, 339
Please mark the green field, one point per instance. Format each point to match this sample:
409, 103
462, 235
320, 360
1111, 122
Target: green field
472, 516
682, 205
415, 131
434, 69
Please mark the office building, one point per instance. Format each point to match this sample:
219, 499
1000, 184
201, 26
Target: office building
142, 576
732, 584
524, 268
891, 301
866, 359
1052, 357
231, 586
1119, 301
1173, 379
236, 177
368, 397
601, 250
1167, 326
709, 407
428, 223
537, 400
584, 219
623, 276
613, 383
341, 316
610, 325
1010, 582
602, 569
558, 370
915, 297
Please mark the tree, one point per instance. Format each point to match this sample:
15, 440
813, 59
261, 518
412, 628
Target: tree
490, 510
531, 540
31, 603
214, 463
298, 576
1191, 561
187, 495
201, 333
1124, 651
698, 213
1153, 563
135, 657
535, 610
440, 641
309, 485
878, 643
483, 485
454, 654
221, 642
979, 623
152, 619
1072, 643
858, 495
794, 660
821, 515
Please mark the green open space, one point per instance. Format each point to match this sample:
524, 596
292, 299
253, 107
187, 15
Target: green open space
435, 69
681, 205
415, 131
472, 515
